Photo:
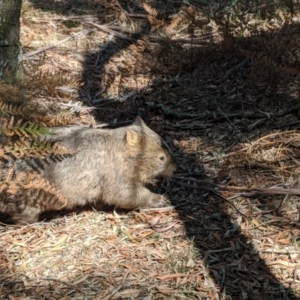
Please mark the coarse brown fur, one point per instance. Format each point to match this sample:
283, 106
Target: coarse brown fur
110, 166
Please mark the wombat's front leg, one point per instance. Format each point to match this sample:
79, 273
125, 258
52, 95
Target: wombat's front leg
149, 199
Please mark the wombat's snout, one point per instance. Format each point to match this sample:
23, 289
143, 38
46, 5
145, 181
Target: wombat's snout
169, 171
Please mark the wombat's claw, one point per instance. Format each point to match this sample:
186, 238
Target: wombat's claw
159, 202
154, 181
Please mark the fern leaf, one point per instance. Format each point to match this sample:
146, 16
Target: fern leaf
25, 129
34, 129
36, 182
150, 10
12, 108
36, 148
32, 187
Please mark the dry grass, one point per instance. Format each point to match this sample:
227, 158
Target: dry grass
225, 101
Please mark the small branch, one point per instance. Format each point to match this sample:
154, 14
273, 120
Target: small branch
158, 209
233, 125
168, 112
248, 192
45, 48
202, 182
213, 191
88, 19
139, 16
111, 29
253, 192
226, 155
65, 18
278, 251
231, 70
219, 250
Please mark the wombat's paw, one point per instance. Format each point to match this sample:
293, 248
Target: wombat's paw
154, 181
158, 201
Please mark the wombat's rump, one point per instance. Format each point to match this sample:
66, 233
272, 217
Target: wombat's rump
110, 166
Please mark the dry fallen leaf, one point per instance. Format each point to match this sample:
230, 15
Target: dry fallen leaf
165, 289
125, 294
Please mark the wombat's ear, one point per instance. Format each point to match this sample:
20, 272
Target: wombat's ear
132, 138
139, 121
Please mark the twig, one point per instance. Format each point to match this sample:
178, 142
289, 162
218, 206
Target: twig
226, 155
211, 190
268, 136
219, 250
116, 290
156, 38
249, 192
45, 48
268, 192
139, 16
231, 70
279, 251
20, 227
70, 285
282, 220
172, 113
199, 181
158, 209
90, 19
249, 148
111, 30
64, 18
287, 196
233, 125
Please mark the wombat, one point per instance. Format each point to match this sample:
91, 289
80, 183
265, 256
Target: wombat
110, 166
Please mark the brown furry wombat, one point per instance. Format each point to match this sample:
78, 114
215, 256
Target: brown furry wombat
111, 166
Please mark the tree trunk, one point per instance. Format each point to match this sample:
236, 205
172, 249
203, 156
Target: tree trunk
10, 48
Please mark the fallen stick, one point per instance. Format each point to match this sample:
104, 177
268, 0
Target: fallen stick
156, 38
247, 192
213, 191
45, 48
158, 209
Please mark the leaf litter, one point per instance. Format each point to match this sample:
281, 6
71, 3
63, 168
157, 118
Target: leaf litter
228, 140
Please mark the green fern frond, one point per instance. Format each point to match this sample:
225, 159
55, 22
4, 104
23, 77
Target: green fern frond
22, 129
31, 129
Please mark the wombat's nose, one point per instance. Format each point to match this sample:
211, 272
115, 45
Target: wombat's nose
174, 167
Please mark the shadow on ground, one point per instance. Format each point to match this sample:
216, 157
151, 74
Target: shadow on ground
231, 92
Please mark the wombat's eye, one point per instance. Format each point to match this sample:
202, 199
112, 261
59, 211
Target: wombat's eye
162, 158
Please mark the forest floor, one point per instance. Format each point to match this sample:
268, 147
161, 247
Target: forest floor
227, 104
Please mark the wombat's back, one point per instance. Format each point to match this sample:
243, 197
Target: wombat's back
95, 168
